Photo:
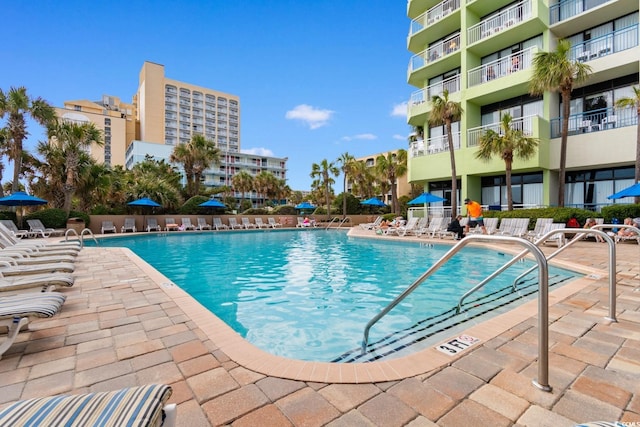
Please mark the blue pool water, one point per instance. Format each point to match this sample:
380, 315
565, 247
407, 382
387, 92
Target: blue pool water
308, 294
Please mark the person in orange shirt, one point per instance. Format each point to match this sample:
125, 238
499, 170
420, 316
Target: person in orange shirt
474, 212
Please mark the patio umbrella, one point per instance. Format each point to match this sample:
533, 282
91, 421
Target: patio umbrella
144, 202
425, 198
20, 198
212, 203
305, 205
374, 201
633, 191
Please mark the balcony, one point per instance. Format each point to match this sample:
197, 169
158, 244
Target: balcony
524, 124
617, 41
418, 36
437, 52
501, 67
435, 145
496, 23
568, 9
595, 121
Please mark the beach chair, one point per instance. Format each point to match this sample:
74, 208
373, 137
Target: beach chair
186, 224
490, 224
506, 225
36, 245
247, 224
217, 223
371, 225
558, 238
272, 223
260, 223
107, 227
11, 226
434, 227
519, 228
133, 406
16, 311
11, 267
41, 281
301, 223
129, 225
403, 230
628, 238
445, 233
233, 224
541, 224
202, 224
152, 225
36, 228
171, 224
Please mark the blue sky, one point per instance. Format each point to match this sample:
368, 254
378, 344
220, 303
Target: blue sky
316, 78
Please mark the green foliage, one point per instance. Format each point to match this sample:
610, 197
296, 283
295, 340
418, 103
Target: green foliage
558, 214
190, 207
257, 211
245, 205
353, 204
285, 210
51, 218
8, 215
76, 214
620, 212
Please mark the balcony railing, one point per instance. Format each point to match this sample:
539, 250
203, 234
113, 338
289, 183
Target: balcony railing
524, 124
452, 85
432, 15
435, 145
435, 52
619, 40
505, 19
595, 121
570, 8
501, 67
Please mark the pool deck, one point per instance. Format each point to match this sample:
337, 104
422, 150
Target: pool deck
125, 324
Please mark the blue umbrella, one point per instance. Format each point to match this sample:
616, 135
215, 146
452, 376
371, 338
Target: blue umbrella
305, 205
20, 198
374, 201
212, 203
633, 191
145, 201
425, 198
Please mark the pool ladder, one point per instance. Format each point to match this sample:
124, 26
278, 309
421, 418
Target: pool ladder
543, 290
345, 219
71, 235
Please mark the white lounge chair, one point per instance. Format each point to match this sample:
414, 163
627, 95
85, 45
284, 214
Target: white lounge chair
217, 223
272, 223
541, 224
38, 229
260, 223
490, 224
247, 224
152, 225
108, 227
233, 224
15, 313
11, 226
134, 406
170, 224
129, 225
434, 227
186, 224
202, 224
12, 267
371, 225
444, 233
403, 230
45, 281
558, 238
36, 245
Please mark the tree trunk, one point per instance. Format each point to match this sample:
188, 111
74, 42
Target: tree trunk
344, 196
454, 175
566, 110
507, 167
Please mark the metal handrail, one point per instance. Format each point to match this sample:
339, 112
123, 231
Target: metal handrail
341, 222
543, 299
90, 233
331, 222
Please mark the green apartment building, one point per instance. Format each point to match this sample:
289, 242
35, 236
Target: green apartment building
481, 52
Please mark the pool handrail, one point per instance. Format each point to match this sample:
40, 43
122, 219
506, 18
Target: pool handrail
543, 299
341, 222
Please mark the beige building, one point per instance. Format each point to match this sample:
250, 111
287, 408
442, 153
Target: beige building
402, 184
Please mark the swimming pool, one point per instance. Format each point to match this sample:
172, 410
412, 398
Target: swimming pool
307, 294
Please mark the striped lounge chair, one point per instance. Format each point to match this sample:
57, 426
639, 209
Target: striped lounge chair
17, 310
133, 406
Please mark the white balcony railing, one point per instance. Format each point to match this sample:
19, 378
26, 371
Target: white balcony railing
433, 15
435, 52
617, 41
568, 9
496, 23
452, 85
435, 145
524, 124
501, 67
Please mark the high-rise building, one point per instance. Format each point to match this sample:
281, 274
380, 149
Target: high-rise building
482, 52
166, 112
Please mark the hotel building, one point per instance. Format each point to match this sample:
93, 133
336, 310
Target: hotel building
166, 112
481, 52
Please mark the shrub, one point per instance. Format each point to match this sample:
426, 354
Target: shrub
51, 218
620, 212
190, 207
285, 210
558, 214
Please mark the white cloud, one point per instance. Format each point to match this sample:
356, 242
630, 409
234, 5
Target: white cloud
361, 136
314, 117
399, 110
399, 137
258, 151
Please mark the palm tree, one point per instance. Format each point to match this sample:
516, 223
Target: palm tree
242, 182
195, 156
346, 161
444, 112
322, 173
556, 72
363, 180
73, 139
634, 102
18, 105
508, 143
389, 169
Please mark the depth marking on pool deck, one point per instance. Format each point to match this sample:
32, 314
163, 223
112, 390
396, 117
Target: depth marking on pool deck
458, 344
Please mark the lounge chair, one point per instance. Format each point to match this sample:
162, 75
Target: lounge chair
403, 230
558, 238
541, 224
12, 241
444, 233
133, 406
490, 224
171, 224
152, 225
217, 223
11, 226
436, 225
371, 225
202, 224
186, 224
33, 250
45, 281
36, 228
260, 223
629, 237
247, 224
15, 313
233, 223
129, 225
272, 223
11, 267
107, 227
301, 223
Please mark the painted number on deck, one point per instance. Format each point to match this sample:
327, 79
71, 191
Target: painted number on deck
456, 345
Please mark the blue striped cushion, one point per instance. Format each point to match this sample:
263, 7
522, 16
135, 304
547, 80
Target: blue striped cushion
134, 406
35, 304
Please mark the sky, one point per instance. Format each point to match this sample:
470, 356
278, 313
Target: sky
316, 78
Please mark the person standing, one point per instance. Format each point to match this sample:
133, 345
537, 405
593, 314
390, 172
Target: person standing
474, 212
